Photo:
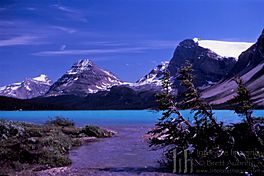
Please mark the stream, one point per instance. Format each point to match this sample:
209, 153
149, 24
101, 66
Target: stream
128, 151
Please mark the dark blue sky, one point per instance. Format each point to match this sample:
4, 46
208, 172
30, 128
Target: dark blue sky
127, 37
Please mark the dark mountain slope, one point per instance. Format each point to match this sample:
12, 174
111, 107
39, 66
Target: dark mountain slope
208, 66
117, 98
250, 67
7, 103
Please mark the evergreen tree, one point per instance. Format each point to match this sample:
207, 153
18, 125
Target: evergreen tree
191, 98
174, 133
242, 101
165, 99
171, 130
209, 136
243, 107
180, 138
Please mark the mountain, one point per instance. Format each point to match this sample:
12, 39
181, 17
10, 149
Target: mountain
149, 82
14, 104
86, 86
117, 97
83, 78
154, 76
250, 58
250, 67
208, 66
29, 88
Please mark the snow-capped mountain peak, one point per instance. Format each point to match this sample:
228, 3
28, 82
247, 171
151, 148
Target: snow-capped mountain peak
80, 66
196, 40
29, 88
43, 78
151, 81
155, 75
83, 78
224, 48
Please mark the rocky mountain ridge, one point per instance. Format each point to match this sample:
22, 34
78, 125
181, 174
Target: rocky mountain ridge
83, 78
208, 66
29, 88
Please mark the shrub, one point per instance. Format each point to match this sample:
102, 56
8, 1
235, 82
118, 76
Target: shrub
23, 145
60, 121
95, 131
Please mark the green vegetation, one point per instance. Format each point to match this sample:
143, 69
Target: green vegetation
204, 145
60, 121
29, 146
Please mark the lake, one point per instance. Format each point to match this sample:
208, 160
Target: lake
110, 117
128, 151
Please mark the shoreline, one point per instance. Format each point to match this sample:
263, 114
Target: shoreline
28, 147
64, 171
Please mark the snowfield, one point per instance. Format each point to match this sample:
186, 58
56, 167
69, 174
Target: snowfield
224, 48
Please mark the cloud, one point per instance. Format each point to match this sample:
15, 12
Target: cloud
64, 29
64, 9
71, 13
62, 48
150, 44
20, 40
7, 23
161, 43
18, 28
104, 47
90, 51
105, 43
31, 8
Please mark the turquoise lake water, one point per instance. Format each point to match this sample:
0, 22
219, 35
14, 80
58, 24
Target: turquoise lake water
110, 117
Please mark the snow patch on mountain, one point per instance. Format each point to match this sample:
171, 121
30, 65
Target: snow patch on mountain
154, 77
152, 81
80, 66
83, 78
29, 88
43, 79
2, 88
224, 48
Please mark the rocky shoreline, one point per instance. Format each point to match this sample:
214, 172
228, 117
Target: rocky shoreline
27, 148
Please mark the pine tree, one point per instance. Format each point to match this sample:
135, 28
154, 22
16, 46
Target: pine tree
174, 132
208, 135
165, 99
244, 107
242, 101
172, 129
202, 111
